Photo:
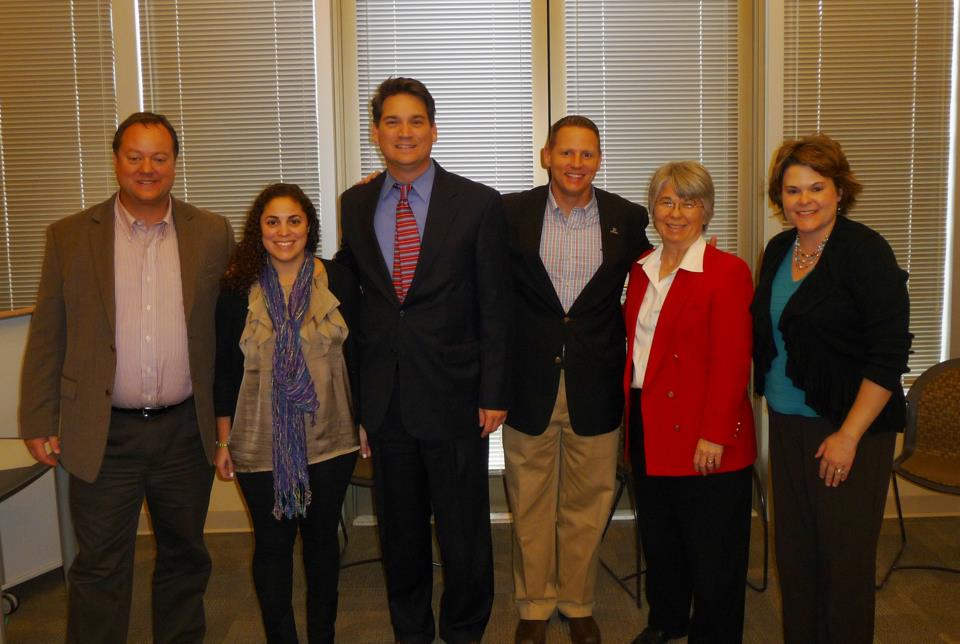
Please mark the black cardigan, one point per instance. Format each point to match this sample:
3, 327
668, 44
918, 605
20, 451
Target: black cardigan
231, 317
848, 320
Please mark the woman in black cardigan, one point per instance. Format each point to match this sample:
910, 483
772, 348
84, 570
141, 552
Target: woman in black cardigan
831, 340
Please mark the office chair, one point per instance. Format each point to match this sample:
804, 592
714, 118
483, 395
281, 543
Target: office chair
931, 445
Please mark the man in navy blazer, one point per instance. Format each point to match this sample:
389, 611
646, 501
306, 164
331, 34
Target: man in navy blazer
571, 246
433, 365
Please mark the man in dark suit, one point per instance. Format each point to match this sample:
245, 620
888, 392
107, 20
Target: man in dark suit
429, 249
117, 384
571, 246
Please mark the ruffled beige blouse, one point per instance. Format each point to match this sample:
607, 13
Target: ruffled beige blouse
322, 336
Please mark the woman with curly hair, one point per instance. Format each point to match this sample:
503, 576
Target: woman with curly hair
283, 395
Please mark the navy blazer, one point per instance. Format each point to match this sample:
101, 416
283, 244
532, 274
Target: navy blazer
445, 347
588, 341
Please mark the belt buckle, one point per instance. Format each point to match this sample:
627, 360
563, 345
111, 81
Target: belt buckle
150, 412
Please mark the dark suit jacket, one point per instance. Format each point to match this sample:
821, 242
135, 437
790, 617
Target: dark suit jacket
696, 381
848, 320
447, 343
588, 341
70, 360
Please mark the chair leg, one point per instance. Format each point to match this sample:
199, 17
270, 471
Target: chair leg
903, 543
623, 483
903, 531
765, 522
638, 544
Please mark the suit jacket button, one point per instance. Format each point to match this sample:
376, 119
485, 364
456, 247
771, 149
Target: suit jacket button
669, 394
676, 428
566, 319
676, 357
402, 313
558, 360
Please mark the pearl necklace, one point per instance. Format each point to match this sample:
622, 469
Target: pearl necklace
804, 260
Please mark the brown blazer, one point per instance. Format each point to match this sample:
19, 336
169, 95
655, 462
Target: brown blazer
70, 359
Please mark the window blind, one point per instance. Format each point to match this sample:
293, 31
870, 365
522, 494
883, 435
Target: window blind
661, 81
475, 58
58, 113
237, 78
876, 77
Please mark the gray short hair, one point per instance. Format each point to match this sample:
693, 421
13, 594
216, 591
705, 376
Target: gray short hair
691, 181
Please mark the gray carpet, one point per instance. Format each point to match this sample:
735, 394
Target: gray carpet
915, 607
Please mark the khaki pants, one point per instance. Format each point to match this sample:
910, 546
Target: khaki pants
560, 488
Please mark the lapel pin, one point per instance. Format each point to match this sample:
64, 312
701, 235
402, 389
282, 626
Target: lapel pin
614, 231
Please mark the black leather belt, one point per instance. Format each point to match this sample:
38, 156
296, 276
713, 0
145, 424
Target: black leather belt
149, 412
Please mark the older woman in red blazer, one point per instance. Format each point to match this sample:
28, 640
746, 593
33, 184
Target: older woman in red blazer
689, 420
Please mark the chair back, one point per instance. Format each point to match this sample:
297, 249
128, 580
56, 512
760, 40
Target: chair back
933, 416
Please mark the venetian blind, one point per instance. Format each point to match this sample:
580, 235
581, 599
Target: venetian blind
661, 81
876, 77
237, 78
475, 58
58, 113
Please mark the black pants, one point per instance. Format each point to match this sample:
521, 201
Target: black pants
826, 538
273, 550
695, 532
448, 477
160, 459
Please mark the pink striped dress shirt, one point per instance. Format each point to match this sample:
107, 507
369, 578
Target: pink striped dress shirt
153, 366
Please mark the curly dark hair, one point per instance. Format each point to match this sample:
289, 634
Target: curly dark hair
248, 259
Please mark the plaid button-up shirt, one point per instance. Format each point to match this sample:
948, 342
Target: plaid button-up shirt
570, 247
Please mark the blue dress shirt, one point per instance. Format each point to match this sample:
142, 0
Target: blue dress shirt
385, 217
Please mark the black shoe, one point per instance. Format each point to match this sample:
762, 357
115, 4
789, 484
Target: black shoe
584, 630
651, 635
531, 631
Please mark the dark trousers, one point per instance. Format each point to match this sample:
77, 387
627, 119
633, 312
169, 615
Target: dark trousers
826, 538
160, 459
273, 550
695, 532
448, 477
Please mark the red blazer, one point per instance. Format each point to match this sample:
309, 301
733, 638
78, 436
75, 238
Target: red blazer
696, 381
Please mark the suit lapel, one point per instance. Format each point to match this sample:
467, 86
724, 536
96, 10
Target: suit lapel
529, 234
368, 247
612, 233
441, 215
189, 250
684, 284
101, 247
611, 243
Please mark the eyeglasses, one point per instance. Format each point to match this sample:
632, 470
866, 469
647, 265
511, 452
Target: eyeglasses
687, 205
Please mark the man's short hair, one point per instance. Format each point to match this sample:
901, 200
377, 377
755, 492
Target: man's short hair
146, 118
573, 120
401, 85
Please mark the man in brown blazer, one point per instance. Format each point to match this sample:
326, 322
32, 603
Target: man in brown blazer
117, 385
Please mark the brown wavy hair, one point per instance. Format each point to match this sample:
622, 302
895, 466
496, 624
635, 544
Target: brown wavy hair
824, 156
250, 255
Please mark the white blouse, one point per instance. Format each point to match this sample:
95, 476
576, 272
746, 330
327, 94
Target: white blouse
653, 299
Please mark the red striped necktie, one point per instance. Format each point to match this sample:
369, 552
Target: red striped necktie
406, 244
